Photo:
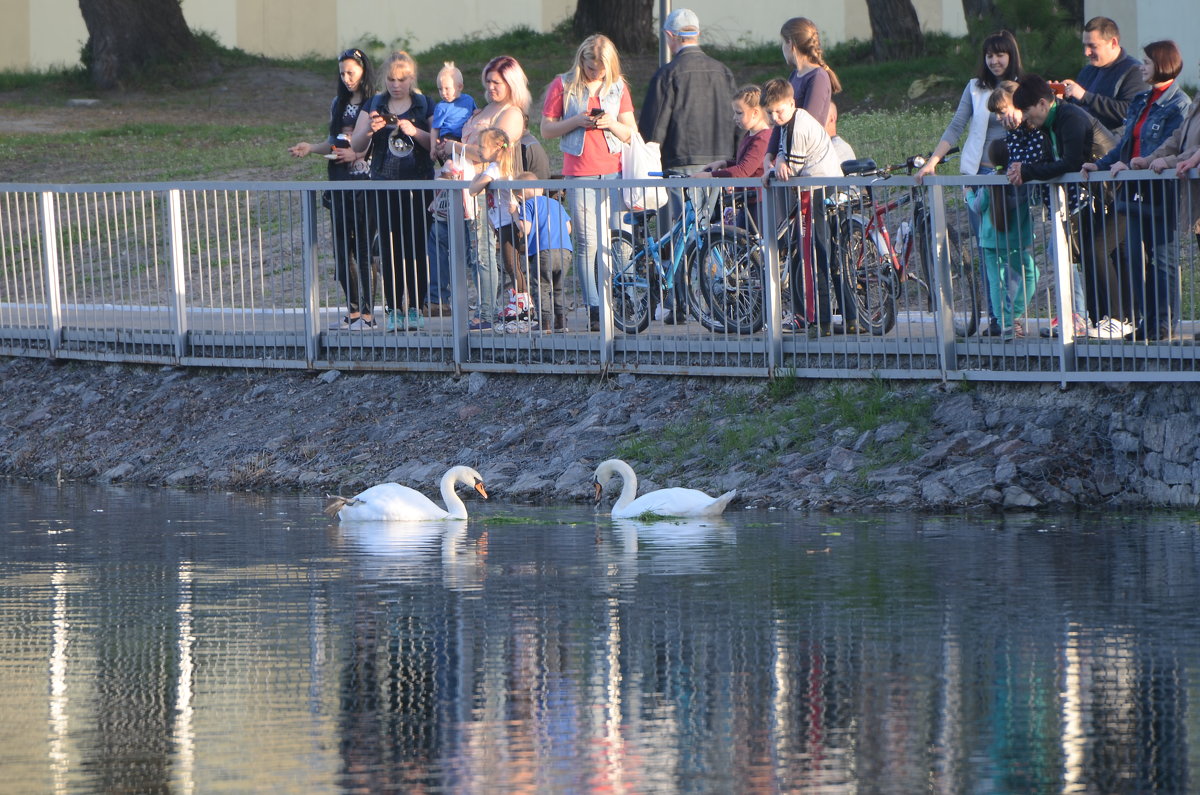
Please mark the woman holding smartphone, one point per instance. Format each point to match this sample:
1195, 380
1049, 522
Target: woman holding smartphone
589, 109
348, 209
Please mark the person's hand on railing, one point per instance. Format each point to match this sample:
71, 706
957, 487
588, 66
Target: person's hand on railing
1087, 169
1184, 166
1014, 175
1118, 167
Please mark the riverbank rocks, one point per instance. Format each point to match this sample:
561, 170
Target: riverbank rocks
538, 438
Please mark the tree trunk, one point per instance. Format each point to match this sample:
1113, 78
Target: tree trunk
629, 23
125, 36
895, 29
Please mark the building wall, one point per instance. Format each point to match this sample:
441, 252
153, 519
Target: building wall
46, 33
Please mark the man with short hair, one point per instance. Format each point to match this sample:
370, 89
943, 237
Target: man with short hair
1111, 79
1069, 130
687, 113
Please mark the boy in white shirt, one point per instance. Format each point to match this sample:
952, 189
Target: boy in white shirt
806, 151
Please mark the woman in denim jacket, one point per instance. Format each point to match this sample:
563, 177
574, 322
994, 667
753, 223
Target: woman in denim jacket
590, 110
1149, 258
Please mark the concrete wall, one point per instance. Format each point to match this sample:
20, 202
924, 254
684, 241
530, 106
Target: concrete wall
45, 33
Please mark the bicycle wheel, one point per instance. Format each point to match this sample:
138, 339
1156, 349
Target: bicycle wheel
964, 285
869, 276
731, 281
633, 296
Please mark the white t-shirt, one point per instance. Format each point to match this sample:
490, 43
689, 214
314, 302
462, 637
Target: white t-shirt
808, 149
497, 200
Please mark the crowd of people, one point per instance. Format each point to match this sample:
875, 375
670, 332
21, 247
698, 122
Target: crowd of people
1118, 114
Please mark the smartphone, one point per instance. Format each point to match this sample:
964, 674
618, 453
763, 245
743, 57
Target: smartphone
1057, 87
596, 112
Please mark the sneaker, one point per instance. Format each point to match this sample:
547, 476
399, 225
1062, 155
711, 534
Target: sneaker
517, 327
342, 324
479, 324
1113, 329
792, 323
993, 330
415, 320
362, 324
674, 317
395, 321
593, 318
1082, 329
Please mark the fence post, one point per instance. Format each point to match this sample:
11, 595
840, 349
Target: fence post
50, 265
1060, 220
308, 222
604, 274
178, 270
772, 297
941, 288
459, 284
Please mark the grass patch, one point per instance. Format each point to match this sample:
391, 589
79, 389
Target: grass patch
752, 429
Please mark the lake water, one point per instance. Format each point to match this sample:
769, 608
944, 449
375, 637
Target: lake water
155, 641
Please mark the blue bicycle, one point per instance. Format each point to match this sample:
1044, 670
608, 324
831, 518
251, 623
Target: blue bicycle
645, 268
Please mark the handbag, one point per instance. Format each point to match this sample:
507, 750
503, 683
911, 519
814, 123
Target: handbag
640, 160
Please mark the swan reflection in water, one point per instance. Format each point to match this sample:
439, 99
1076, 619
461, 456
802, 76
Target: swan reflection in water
671, 546
399, 551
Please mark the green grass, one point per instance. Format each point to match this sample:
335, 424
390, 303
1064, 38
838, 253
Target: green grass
888, 110
752, 429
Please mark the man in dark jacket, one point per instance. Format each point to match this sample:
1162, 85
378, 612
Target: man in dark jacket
1111, 79
688, 108
1072, 143
689, 112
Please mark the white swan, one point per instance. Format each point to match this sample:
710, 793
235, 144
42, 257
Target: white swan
392, 502
664, 502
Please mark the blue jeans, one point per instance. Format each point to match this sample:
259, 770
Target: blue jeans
1151, 261
594, 213
439, 259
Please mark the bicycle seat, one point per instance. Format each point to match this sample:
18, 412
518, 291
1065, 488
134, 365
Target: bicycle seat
852, 167
639, 217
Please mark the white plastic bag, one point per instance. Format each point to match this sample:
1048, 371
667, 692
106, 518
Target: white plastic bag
638, 160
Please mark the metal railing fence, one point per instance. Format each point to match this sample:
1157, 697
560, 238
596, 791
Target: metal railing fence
853, 277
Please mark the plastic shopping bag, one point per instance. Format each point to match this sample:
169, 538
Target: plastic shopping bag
638, 161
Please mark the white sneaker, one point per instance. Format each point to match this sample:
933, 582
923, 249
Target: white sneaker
342, 324
517, 327
362, 324
1112, 329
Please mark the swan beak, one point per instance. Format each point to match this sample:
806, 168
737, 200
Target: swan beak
599, 490
480, 488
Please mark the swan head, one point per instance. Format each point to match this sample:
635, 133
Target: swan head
468, 477
604, 473
479, 487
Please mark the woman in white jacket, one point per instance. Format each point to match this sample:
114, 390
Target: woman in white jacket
999, 60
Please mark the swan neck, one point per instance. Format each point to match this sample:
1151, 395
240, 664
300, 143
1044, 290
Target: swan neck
455, 507
628, 484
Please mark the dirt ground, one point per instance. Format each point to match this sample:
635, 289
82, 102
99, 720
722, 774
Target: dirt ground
268, 91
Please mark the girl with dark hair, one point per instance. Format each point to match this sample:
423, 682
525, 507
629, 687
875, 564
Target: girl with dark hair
1000, 59
351, 238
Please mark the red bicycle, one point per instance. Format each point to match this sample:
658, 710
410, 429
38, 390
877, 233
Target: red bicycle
882, 266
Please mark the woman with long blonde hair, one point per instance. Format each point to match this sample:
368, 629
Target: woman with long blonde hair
589, 109
396, 124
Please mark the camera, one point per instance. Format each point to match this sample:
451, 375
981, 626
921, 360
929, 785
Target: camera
388, 118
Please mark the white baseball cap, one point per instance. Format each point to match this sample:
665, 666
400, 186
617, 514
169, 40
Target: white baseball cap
682, 22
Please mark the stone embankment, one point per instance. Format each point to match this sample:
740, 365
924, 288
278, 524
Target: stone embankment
537, 439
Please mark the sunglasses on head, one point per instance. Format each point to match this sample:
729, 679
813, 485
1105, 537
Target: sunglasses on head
354, 53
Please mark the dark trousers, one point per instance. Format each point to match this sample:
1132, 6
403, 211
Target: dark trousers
552, 264
402, 220
352, 249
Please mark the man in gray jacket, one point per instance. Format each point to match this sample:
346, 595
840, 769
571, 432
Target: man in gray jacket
689, 112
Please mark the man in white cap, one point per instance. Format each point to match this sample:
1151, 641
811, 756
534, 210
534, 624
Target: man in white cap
687, 108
